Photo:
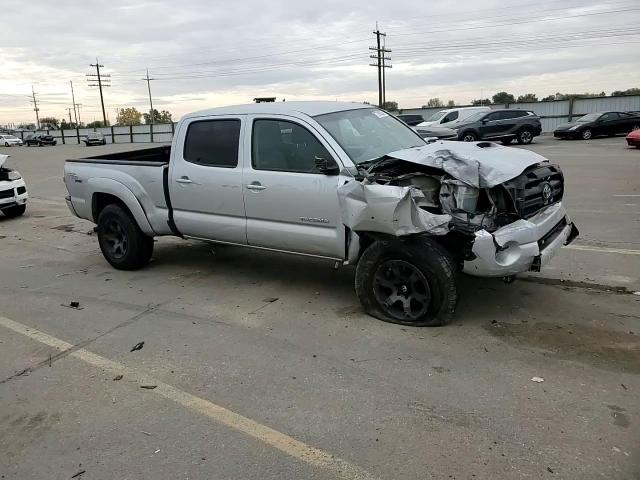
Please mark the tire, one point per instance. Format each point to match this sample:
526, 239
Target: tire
506, 141
635, 127
525, 136
14, 211
122, 242
586, 134
39, 144
469, 137
6, 144
429, 287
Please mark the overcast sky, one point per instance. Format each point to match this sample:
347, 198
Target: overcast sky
206, 53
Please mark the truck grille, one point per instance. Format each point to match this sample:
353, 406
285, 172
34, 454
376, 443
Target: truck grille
536, 188
6, 193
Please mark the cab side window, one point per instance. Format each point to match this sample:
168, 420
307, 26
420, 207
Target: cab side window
213, 143
284, 146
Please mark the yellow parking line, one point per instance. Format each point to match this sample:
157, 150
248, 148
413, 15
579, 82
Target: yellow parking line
620, 251
286, 444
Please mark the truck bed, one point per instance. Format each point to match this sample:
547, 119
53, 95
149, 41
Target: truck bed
154, 156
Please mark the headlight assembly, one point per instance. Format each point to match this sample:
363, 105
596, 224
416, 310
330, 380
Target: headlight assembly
14, 175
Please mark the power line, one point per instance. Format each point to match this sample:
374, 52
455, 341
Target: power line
103, 80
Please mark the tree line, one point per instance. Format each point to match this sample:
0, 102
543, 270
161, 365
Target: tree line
125, 117
501, 98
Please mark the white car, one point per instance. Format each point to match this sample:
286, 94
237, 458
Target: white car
13, 191
449, 117
10, 140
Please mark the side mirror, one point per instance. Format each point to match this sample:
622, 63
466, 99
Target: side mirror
327, 166
484, 121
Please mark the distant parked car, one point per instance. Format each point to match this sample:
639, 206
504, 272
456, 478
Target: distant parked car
438, 133
633, 139
452, 116
39, 140
503, 125
411, 119
94, 138
13, 191
10, 140
601, 123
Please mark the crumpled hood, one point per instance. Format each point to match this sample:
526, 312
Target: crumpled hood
481, 167
3, 158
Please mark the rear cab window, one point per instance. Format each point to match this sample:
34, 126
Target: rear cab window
213, 143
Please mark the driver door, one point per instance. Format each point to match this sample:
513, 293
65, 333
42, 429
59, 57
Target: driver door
290, 206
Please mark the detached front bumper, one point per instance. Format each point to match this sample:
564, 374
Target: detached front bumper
13, 193
521, 246
565, 134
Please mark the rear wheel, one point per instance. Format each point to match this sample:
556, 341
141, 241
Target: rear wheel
14, 211
636, 126
586, 134
525, 136
410, 282
122, 242
6, 144
469, 137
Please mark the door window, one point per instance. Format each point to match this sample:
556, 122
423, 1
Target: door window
213, 143
493, 116
608, 117
450, 117
285, 146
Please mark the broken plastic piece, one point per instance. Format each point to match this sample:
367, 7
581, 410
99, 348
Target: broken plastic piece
537, 379
137, 346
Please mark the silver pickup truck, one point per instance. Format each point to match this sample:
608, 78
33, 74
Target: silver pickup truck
341, 181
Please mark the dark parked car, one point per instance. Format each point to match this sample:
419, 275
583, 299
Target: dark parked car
439, 133
410, 119
39, 140
601, 123
94, 138
503, 125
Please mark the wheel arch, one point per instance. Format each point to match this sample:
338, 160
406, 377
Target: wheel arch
107, 191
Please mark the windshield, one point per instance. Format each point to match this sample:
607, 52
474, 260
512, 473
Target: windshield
436, 116
368, 133
589, 118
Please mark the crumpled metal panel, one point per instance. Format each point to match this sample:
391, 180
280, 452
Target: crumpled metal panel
482, 167
388, 209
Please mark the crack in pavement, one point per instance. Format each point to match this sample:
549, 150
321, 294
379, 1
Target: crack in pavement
62, 354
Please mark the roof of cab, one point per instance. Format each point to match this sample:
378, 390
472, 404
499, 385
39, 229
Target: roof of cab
308, 108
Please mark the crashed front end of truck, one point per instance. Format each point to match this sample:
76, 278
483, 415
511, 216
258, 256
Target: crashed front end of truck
498, 210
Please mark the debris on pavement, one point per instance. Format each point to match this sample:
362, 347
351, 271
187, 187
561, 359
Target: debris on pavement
148, 387
537, 379
80, 473
118, 377
270, 299
137, 346
624, 386
549, 470
73, 304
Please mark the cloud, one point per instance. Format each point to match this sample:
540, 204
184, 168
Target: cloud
208, 53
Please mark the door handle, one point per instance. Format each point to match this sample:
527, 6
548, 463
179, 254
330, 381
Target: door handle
184, 179
255, 187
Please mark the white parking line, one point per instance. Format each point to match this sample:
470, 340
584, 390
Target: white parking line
630, 195
313, 456
620, 251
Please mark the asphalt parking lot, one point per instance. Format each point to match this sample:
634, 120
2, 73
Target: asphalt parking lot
263, 366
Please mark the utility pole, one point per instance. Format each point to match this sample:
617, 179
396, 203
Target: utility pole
380, 62
78, 105
35, 107
69, 110
73, 100
150, 101
103, 81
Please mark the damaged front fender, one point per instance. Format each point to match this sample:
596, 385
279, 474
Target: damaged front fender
388, 209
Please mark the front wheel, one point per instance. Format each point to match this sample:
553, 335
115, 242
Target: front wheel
525, 136
122, 242
469, 137
586, 134
412, 282
14, 211
6, 144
